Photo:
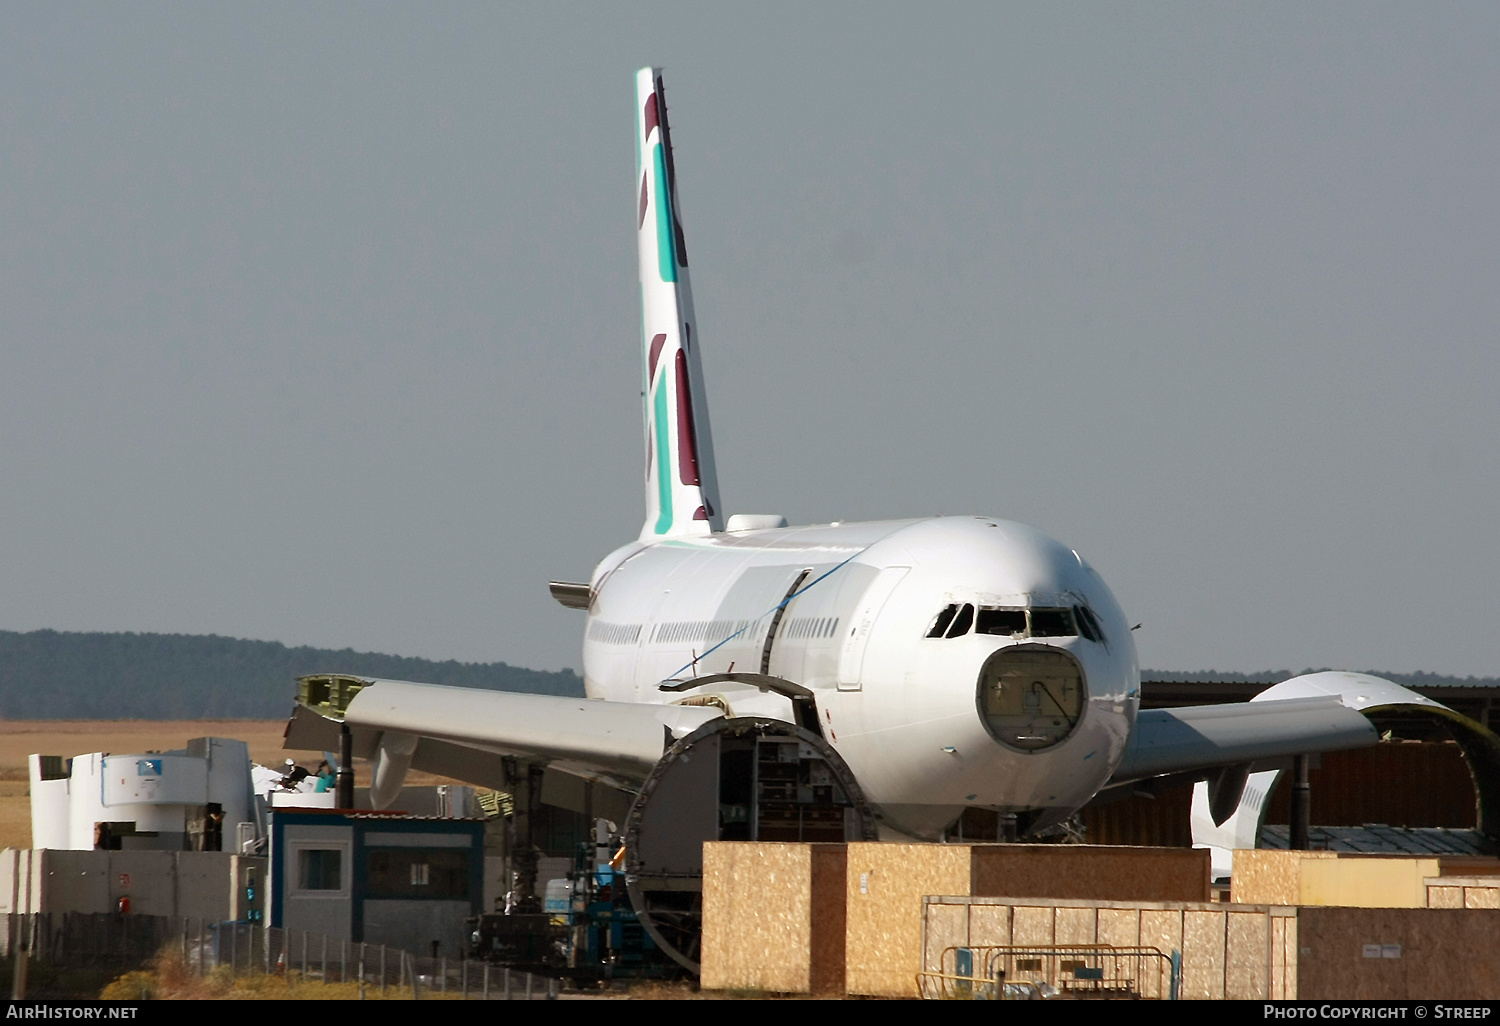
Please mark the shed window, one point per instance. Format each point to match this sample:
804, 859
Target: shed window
419, 873
320, 869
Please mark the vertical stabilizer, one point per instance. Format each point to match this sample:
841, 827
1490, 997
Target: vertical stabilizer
682, 491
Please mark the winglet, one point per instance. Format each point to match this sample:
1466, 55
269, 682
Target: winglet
682, 489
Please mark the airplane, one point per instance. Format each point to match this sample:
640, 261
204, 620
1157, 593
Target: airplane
845, 680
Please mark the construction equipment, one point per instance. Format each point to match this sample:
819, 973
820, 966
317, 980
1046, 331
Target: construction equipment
586, 931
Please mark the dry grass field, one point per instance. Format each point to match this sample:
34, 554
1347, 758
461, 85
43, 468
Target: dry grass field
20, 738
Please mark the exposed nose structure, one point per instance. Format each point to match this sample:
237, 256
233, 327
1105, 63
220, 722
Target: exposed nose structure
1031, 697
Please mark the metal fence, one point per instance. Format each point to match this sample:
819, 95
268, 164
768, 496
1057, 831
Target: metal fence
88, 940
246, 947
124, 942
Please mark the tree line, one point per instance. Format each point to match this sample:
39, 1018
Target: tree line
60, 675
46, 675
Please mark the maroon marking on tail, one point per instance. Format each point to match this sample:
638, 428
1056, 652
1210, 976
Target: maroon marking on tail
650, 115
666, 144
700, 513
642, 222
656, 344
687, 441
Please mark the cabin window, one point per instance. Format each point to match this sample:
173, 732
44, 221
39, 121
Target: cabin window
811, 627
614, 633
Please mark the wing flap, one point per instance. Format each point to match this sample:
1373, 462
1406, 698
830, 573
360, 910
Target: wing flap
1210, 736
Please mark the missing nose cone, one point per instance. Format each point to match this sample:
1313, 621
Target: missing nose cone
1031, 697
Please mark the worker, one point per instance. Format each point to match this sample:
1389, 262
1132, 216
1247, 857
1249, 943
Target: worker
325, 778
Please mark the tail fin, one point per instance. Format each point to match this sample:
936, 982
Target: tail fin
682, 490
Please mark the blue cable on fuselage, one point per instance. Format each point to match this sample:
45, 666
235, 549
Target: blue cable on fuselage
780, 605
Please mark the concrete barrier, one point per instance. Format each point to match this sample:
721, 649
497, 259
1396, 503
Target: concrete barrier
193, 884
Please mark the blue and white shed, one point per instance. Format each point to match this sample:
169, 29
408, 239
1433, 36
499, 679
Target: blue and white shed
407, 882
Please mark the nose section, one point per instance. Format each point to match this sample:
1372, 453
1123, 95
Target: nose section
1031, 697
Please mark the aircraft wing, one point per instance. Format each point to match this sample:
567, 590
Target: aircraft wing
1318, 712
469, 733
1210, 736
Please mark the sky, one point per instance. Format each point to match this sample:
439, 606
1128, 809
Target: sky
319, 322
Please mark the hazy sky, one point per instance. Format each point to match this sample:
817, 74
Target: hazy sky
318, 322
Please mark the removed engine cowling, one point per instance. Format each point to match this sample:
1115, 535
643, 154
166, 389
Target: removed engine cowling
741, 779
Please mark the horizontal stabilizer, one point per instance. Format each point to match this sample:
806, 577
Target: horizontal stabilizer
574, 596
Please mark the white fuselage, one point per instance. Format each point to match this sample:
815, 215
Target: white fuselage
905, 709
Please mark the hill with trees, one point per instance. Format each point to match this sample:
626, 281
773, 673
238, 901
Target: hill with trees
55, 675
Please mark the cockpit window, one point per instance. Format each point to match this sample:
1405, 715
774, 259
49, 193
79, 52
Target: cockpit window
1005, 622
1053, 623
1014, 622
940, 625
1088, 623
